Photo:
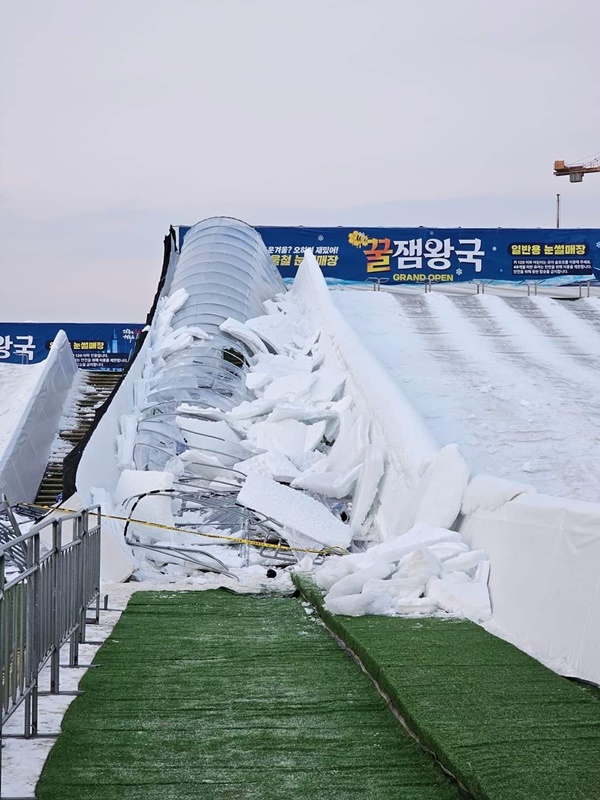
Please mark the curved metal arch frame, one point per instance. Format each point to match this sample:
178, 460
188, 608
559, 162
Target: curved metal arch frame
226, 271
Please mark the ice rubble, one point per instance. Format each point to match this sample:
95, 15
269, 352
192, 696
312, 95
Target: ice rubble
298, 453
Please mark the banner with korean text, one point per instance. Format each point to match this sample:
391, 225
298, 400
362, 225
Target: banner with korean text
96, 346
418, 255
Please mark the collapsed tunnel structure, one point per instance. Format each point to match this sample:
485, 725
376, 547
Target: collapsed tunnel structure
188, 373
224, 271
168, 418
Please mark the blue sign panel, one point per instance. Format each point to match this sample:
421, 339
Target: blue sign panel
96, 346
438, 255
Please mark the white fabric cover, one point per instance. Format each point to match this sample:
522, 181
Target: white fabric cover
24, 460
544, 578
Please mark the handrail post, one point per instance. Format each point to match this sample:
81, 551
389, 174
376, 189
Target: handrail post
82, 532
32, 637
56, 573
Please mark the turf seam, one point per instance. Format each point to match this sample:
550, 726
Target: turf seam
456, 749
127, 737
394, 709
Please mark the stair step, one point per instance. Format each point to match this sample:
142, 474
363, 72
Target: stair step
100, 386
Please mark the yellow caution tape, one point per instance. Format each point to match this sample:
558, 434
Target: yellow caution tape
232, 539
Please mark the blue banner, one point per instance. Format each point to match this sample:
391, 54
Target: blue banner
96, 346
438, 255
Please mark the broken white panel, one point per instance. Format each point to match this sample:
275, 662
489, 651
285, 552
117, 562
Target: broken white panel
278, 365
366, 488
277, 330
350, 446
354, 583
331, 571
329, 484
256, 380
240, 331
460, 597
294, 510
302, 412
415, 607
420, 565
295, 386
358, 605
446, 550
464, 562
250, 409
438, 496
276, 465
329, 382
289, 436
393, 548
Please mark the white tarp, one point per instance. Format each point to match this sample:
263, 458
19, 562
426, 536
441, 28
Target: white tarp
24, 460
544, 578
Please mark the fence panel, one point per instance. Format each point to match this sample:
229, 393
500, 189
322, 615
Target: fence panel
44, 605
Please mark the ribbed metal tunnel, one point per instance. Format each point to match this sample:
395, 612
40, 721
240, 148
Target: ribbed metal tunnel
226, 272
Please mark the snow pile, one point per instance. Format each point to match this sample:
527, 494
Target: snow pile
425, 571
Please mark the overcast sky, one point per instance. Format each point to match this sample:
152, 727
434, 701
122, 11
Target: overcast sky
119, 117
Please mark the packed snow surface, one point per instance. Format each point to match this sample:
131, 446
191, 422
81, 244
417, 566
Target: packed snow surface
17, 383
513, 381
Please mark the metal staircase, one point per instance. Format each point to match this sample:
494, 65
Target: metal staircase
96, 387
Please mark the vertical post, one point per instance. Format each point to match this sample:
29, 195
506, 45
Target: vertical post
37, 634
82, 532
558, 209
56, 634
31, 638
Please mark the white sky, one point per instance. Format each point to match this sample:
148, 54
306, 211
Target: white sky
120, 117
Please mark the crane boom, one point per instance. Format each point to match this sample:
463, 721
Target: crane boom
575, 171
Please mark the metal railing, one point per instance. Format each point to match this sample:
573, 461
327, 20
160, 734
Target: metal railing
44, 606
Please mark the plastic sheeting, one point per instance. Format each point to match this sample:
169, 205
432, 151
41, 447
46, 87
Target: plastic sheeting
544, 578
24, 461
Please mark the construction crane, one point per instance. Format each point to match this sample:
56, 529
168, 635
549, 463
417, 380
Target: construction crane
576, 171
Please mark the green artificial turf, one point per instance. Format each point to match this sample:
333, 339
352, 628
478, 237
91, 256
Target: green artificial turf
507, 727
211, 695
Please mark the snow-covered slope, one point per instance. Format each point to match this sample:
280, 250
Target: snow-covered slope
513, 381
